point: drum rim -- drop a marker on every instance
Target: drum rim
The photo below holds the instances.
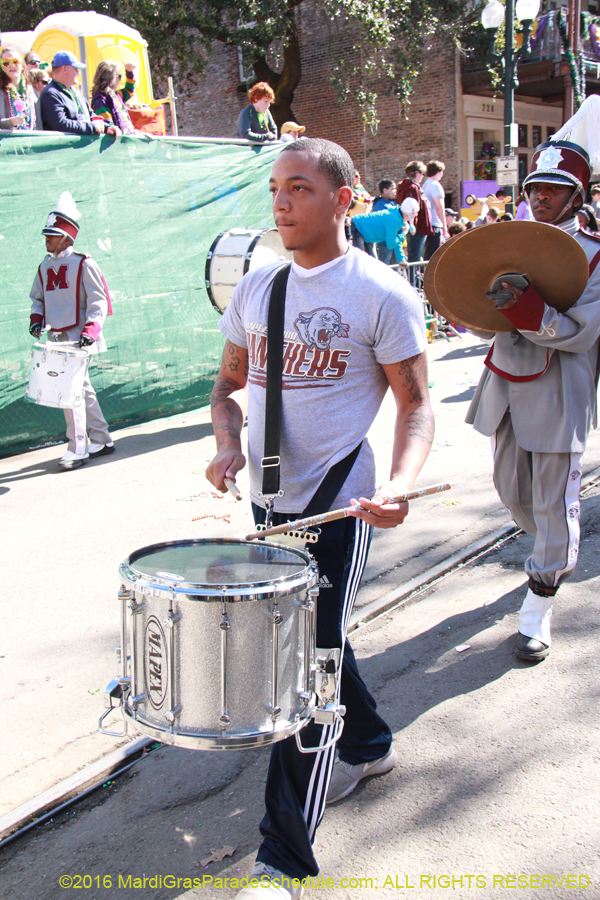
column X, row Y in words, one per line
column 69, row 348
column 199, row 741
column 249, row 591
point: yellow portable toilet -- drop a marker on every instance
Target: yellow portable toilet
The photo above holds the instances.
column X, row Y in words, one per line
column 93, row 37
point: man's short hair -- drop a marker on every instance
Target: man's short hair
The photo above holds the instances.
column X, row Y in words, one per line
column 434, row 166
column 456, row 228
column 385, row 184
column 493, row 212
column 332, row 160
column 415, row 166
column 260, row 90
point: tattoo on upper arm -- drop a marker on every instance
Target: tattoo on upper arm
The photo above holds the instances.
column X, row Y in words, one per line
column 412, row 370
column 232, row 359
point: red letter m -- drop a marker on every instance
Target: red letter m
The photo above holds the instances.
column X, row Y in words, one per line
column 57, row 279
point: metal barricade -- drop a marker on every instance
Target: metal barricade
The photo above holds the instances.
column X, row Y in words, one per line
column 437, row 326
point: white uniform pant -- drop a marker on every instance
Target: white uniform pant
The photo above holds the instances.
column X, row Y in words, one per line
column 541, row 490
column 86, row 418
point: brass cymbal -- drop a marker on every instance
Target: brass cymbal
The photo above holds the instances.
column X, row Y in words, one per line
column 553, row 261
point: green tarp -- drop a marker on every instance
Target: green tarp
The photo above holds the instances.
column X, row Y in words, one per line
column 150, row 210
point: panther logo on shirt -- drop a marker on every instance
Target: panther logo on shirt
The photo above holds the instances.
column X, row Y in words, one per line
column 317, row 328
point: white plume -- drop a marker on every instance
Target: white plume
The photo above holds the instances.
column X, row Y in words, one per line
column 584, row 129
column 66, row 206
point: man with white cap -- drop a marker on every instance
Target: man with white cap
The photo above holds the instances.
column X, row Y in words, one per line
column 63, row 107
column 537, row 395
column 70, row 297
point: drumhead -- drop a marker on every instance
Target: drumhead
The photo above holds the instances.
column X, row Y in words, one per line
column 217, row 567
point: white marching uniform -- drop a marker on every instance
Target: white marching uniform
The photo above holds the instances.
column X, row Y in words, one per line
column 537, row 399
column 70, row 296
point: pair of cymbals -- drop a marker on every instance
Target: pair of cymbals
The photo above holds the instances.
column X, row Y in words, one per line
column 461, row 271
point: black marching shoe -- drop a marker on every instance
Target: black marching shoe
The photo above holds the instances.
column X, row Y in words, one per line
column 95, row 450
column 530, row 649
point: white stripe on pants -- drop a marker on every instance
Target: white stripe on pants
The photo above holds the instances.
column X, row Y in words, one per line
column 541, row 490
column 88, row 414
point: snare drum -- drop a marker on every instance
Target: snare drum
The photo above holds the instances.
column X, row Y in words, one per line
column 221, row 642
column 57, row 374
column 236, row 252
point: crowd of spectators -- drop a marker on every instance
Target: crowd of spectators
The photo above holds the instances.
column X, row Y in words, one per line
column 36, row 96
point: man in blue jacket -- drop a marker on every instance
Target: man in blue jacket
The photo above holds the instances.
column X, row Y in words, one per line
column 63, row 107
column 383, row 227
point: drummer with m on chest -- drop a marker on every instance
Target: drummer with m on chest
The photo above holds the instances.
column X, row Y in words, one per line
column 70, row 297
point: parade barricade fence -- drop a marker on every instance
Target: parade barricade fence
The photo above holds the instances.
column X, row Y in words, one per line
column 150, row 211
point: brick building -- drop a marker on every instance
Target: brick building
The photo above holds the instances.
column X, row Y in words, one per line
column 212, row 105
column 453, row 111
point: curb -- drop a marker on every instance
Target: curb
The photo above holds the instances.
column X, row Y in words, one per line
column 89, row 778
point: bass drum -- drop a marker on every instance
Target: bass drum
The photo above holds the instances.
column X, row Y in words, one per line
column 235, row 252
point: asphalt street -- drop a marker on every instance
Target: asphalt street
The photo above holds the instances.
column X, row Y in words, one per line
column 495, row 793
column 497, row 758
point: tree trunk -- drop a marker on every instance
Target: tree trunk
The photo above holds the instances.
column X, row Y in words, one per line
column 285, row 83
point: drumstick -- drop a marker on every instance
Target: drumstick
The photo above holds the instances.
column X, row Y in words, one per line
column 332, row 515
column 232, row 488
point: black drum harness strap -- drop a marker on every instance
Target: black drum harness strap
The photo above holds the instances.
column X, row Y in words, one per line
column 271, row 461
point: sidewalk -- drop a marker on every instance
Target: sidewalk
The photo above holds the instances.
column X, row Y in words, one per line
column 496, row 787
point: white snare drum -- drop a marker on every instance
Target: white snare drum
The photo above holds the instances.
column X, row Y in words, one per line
column 221, row 642
column 236, row 252
column 57, row 374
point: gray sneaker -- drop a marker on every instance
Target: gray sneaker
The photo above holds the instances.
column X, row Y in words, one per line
column 274, row 885
column 345, row 777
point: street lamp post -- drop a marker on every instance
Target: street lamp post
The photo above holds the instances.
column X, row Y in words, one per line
column 491, row 18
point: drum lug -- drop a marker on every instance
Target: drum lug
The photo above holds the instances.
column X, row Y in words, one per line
column 172, row 619
column 39, row 396
column 134, row 702
column 172, row 714
column 274, row 707
column 224, row 625
column 135, row 607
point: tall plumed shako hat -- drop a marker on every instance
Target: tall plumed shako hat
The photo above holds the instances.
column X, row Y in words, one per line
column 572, row 155
column 62, row 221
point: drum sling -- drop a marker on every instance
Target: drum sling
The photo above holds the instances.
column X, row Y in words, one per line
column 334, row 479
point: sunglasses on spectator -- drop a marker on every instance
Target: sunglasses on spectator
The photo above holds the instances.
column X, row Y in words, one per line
column 34, row 62
column 8, row 62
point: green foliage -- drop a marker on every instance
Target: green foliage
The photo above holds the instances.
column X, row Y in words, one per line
column 383, row 40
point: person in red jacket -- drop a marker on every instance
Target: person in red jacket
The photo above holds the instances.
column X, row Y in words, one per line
column 409, row 187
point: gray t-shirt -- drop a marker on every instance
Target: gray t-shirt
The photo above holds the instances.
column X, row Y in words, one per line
column 341, row 326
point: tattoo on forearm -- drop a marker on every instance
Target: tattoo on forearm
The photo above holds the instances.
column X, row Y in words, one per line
column 226, row 420
column 421, row 424
column 412, row 370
